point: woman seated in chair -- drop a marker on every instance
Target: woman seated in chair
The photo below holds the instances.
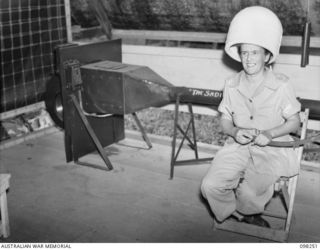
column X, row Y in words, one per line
column 258, row 106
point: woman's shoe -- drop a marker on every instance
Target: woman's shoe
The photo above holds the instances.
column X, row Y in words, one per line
column 255, row 219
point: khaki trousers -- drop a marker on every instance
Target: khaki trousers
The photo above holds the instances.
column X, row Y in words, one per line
column 235, row 182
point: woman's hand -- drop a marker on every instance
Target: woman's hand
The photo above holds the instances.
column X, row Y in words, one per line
column 243, row 136
column 263, row 139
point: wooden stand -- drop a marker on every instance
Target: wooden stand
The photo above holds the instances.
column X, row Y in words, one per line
column 4, row 223
column 192, row 142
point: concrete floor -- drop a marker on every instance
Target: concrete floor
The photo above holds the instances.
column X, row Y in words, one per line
column 52, row 201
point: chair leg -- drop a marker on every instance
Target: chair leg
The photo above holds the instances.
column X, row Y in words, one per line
column 292, row 192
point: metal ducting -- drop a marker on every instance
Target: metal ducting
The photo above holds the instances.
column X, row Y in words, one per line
column 117, row 88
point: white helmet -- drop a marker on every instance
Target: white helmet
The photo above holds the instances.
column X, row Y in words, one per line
column 255, row 25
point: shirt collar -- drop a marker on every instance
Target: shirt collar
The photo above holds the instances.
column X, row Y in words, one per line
column 270, row 81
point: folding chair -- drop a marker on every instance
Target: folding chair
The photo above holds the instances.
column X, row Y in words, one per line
column 286, row 188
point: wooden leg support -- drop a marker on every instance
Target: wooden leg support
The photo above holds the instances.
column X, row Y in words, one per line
column 192, row 142
column 94, row 138
column 253, row 230
column 4, row 223
column 143, row 132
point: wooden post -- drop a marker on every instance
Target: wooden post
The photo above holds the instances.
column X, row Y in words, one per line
column 4, row 186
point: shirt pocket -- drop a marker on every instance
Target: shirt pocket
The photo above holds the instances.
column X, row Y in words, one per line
column 268, row 116
column 241, row 119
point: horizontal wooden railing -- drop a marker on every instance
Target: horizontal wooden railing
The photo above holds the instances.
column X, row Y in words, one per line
column 209, row 37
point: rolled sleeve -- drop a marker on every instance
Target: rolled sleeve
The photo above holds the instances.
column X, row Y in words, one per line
column 225, row 105
column 290, row 104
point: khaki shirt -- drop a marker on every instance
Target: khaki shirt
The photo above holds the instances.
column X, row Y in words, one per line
column 273, row 102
